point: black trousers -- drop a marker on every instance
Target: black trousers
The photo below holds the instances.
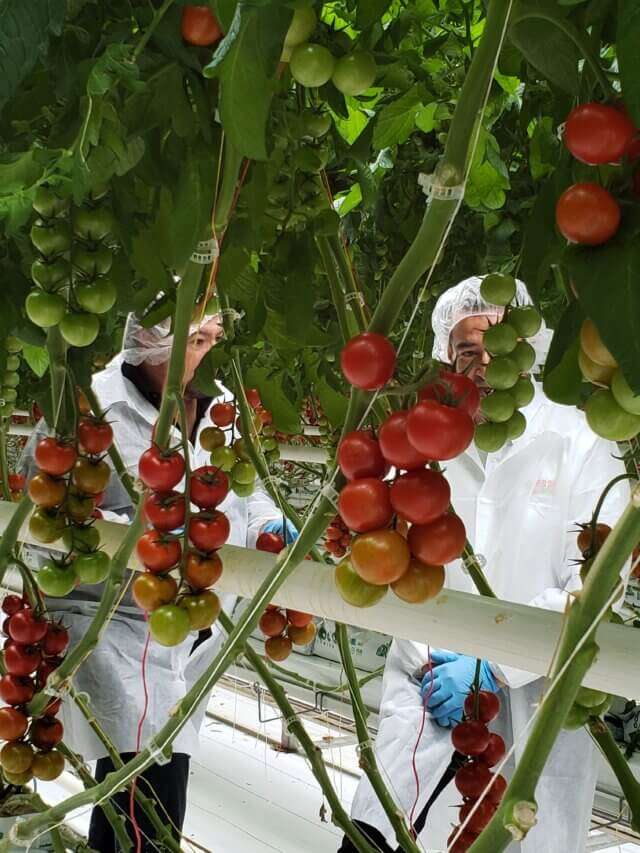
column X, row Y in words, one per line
column 166, row 783
column 373, row 835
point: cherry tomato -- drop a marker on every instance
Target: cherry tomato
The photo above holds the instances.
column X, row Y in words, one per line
column 11, row 604
column 365, row 505
column 24, row 627
column 44, row 309
column 81, row 538
column 301, row 636
column 169, row 625
column 419, row 583
column 150, row 591
column 13, row 723
column 16, row 690
column 353, row 589
column 79, row 330
column 420, row 496
column 488, row 706
column 165, row 510
column 439, row 542
column 311, row 65
column 46, row 732
column 495, row 751
column 470, row 737
column 211, row 438
column 588, row 214
column 223, row 458
column 209, row 531
column 272, row 623
column 16, row 757
column 202, row 572
column 47, row 766
column 55, row 580
column 209, row 486
column 45, row 491
column 439, row 432
column 588, row 544
column 395, row 445
column 453, row 389
column 200, row 26
column 368, row 361
column 597, row 134
column 53, row 707
column 55, row 457
column 481, row 816
column 277, row 648
column 21, row 660
column 253, row 397
column 157, row 551
column 202, row 609
column 16, row 482
column 608, row 419
column 460, row 843
column 96, row 297
column 355, row 73
column 302, row 25
column 56, row 640
column 381, row 556
column 79, row 507
column 90, row 477
column 497, row 789
column 271, row 542
column 298, row 619
column 94, row 436
column 222, row 414
column 472, row 779
column 359, row 455
column 160, row 471
column 92, row 567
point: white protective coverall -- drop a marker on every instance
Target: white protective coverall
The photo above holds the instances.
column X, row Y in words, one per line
column 112, row 675
column 520, row 512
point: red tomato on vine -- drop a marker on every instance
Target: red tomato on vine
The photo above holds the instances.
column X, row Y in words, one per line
column 439, row 432
column 597, row 134
column 453, row 389
column 200, row 26
column 587, row 214
column 368, row 361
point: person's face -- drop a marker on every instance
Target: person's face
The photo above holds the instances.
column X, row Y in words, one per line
column 466, row 348
column 198, row 346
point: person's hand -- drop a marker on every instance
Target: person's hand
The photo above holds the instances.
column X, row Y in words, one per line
column 278, row 527
column 452, row 677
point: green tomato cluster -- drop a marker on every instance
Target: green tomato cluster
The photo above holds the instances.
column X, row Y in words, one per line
column 87, row 565
column 10, row 378
column 512, row 357
column 71, row 272
column 313, row 65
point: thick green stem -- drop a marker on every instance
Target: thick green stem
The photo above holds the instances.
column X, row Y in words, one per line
column 4, row 466
column 108, row 602
column 350, row 285
column 158, row 16
column 114, row 454
column 313, row 753
column 57, row 348
column 601, row 734
column 11, row 533
column 346, row 318
column 231, row 163
column 368, row 761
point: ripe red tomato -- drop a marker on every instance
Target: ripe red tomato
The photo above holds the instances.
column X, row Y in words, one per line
column 496, row 791
column 395, row 445
column 273, row 623
column 222, row 414
column 365, row 505
column 209, row 486
column 200, row 26
column 439, row 432
column 46, row 732
column 272, row 542
column 488, row 706
column 11, row 604
column 202, row 572
column 453, row 389
column 253, row 397
column 380, row 557
column 597, row 134
column 439, row 542
column 55, row 457
column 588, row 545
column 359, row 455
column 94, row 436
column 368, row 361
column 470, row 737
column 45, row 669
column 587, row 214
column 420, row 496
column 472, row 779
column 277, row 648
column 21, row 660
column 160, row 471
column 165, row 510
column 299, row 619
column 56, row 640
column 24, row 627
column 13, row 724
column 52, row 708
column 157, row 551
column 495, row 751
column 16, row 482
column 16, row 689
column 209, row 531
column 264, row 417
column 481, row 816
column 301, row 636
column 151, row 592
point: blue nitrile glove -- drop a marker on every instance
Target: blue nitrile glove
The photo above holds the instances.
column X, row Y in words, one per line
column 452, row 682
column 278, row 527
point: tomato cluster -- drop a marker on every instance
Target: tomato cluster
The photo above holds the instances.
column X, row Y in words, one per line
column 33, row 649
column 484, row 750
column 71, row 272
column 337, row 538
column 67, row 489
column 613, row 410
column 512, row 357
column 10, row 378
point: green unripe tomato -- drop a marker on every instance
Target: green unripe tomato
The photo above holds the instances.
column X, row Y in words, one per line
column 500, row 339
column 45, row 309
column 272, row 455
column 92, row 567
column 169, row 625
column 311, row 65
column 243, row 472
column 79, row 330
column 93, row 223
column 81, row 538
column 502, row 373
column 12, row 344
column 490, row 437
column 55, row 580
column 96, row 298
column 242, row 490
column 10, row 379
column 498, row 289
column 353, row 589
column 48, row 204
column 524, row 356
column 224, row 458
column 516, row 425
column 498, row 406
column 523, row 392
column 48, row 274
column 315, row 124
column 608, row 419
column 90, row 263
column 269, row 444
column 240, row 448
column 13, row 362
column 525, row 320
column 51, row 239
column 9, row 395
column 355, row 73
column 623, row 393
column 302, row 25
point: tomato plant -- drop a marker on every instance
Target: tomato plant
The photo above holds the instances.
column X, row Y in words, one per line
column 158, row 552
column 365, row 504
column 160, row 471
column 165, row 510
column 209, row 531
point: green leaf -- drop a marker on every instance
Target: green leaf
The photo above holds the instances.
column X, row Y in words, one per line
column 562, row 381
column 370, row 12
column 350, row 201
column 628, row 46
column 543, row 148
column 20, row 171
column 334, row 404
column 37, row 358
column 113, row 67
column 286, row 414
column 25, row 28
column 606, row 281
column 547, row 47
column 426, row 118
column 223, row 48
column 488, row 177
column 397, row 120
column 204, row 379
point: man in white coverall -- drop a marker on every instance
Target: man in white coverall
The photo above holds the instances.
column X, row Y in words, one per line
column 520, row 507
column 130, row 389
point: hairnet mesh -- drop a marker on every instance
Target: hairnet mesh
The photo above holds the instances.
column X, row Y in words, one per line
column 465, row 300
column 151, row 345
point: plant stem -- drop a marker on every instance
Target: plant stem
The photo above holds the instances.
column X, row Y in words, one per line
column 601, row 734
column 313, row 753
column 368, row 761
column 114, row 454
column 187, row 481
column 4, row 466
column 108, row 602
column 12, row 531
column 322, row 688
column 232, row 161
column 346, row 319
column 157, row 17
column 345, row 272
column 57, row 349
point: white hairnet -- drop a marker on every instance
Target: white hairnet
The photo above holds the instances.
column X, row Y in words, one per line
column 152, row 345
column 465, row 300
